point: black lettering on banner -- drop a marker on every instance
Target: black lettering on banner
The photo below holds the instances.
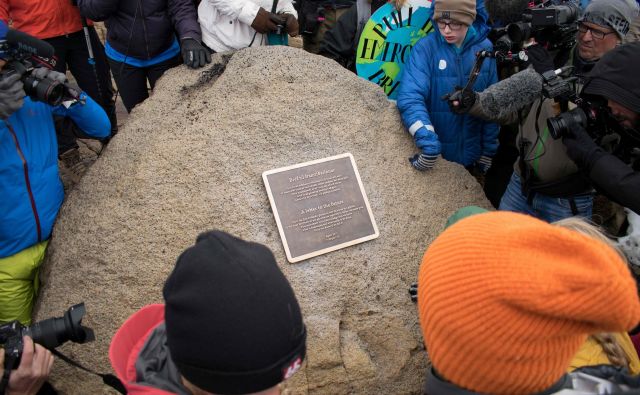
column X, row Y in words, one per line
column 366, row 47
column 377, row 29
column 410, row 15
column 377, row 73
column 385, row 82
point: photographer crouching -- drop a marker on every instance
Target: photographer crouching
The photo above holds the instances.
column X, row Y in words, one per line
column 615, row 79
column 30, row 185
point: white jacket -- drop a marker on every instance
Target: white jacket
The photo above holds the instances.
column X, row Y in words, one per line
column 226, row 24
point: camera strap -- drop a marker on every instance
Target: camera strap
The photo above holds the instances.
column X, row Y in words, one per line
column 5, row 375
column 107, row 378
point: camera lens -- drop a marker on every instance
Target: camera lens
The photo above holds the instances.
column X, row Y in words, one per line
column 52, row 332
column 45, row 90
column 560, row 125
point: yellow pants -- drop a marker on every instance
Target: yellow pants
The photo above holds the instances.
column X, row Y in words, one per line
column 19, row 283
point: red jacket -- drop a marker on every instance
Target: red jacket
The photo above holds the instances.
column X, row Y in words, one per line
column 127, row 343
column 42, row 18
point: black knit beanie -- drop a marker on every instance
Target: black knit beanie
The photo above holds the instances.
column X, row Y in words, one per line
column 233, row 323
column 614, row 76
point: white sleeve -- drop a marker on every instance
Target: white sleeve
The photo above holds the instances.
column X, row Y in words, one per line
column 243, row 10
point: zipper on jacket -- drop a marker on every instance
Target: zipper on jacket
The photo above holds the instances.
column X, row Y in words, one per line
column 26, row 179
column 144, row 29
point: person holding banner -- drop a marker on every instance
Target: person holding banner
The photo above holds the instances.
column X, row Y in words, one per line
column 438, row 63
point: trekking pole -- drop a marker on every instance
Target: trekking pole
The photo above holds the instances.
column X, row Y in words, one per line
column 92, row 59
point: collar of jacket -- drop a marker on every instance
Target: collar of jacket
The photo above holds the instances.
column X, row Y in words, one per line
column 434, row 385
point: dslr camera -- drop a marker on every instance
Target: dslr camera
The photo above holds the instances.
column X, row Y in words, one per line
column 23, row 53
column 49, row 333
column 553, row 24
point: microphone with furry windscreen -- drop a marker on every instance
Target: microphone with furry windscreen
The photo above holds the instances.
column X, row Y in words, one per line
column 501, row 99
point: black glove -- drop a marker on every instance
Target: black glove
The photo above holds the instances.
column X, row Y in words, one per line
column 291, row 23
column 461, row 100
column 540, row 58
column 581, row 148
column 194, row 54
column 266, row 21
column 11, row 95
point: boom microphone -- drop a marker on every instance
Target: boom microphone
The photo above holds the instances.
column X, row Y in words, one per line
column 506, row 11
column 511, row 94
column 29, row 44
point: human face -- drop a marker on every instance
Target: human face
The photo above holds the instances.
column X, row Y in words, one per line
column 591, row 48
column 453, row 32
column 626, row 117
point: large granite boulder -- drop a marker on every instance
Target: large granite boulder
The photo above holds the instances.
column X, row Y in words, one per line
column 190, row 159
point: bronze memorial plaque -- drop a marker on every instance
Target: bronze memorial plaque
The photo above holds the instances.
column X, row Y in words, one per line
column 320, row 206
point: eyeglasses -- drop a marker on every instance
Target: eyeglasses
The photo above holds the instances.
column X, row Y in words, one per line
column 454, row 26
column 597, row 34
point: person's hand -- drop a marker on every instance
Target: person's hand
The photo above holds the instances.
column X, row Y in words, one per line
column 194, row 54
column 539, row 58
column 35, row 367
column 460, row 100
column 266, row 21
column 43, row 72
column 484, row 163
column 291, row 23
column 581, row 148
column 430, row 146
column 11, row 95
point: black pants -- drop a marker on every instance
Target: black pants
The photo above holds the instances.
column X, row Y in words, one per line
column 72, row 53
column 132, row 81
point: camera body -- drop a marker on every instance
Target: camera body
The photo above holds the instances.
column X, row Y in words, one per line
column 22, row 60
column 553, row 25
column 49, row 333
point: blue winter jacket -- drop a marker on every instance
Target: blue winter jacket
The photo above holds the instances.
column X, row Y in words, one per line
column 434, row 69
column 30, row 187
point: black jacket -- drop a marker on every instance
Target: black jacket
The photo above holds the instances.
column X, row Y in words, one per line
column 340, row 42
column 143, row 29
column 618, row 181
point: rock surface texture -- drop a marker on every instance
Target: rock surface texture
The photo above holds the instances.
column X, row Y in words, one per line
column 190, row 159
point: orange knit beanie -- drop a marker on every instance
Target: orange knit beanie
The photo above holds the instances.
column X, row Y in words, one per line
column 505, row 301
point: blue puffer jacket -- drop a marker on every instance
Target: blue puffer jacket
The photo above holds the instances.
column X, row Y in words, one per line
column 434, row 69
column 153, row 23
column 30, row 186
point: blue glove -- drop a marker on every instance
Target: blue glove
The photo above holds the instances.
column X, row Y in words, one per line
column 484, row 163
column 429, row 144
column 427, row 141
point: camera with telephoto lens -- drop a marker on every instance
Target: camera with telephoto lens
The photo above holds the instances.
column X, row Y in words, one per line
column 22, row 60
column 49, row 333
column 552, row 24
column 593, row 115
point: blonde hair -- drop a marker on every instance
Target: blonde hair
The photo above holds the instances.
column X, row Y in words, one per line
column 610, row 345
column 398, row 3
